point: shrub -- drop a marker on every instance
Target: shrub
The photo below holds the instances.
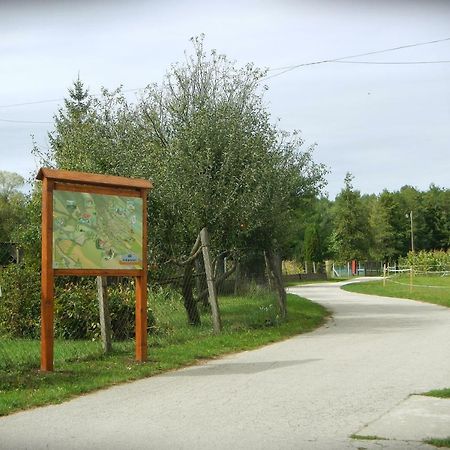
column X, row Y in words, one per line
column 20, row 301
column 76, row 310
column 427, row 261
column 76, row 306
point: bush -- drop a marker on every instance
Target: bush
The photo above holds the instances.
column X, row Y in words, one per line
column 76, row 306
column 20, row 302
column 427, row 261
column 76, row 310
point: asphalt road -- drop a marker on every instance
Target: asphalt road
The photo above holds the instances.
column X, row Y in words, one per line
column 309, row 392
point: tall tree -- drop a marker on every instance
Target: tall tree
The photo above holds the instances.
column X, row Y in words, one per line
column 383, row 242
column 205, row 137
column 351, row 240
column 436, row 216
column 312, row 247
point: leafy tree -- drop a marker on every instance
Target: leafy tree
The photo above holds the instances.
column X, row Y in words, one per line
column 10, row 182
column 12, row 202
column 312, row 247
column 382, row 233
column 205, row 138
column 350, row 237
column 436, row 216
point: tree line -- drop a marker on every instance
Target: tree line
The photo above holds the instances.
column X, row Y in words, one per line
column 373, row 227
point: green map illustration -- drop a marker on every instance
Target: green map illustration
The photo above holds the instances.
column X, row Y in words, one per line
column 96, row 231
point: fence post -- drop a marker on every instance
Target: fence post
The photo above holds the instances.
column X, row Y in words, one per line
column 210, row 281
column 105, row 318
column 411, row 279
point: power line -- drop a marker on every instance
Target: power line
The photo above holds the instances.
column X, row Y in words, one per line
column 286, row 69
column 13, row 105
column 23, row 121
column 392, row 62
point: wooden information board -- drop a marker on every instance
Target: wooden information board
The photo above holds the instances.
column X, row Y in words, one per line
column 92, row 225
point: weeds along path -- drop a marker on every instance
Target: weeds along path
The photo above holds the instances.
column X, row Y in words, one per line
column 309, row 392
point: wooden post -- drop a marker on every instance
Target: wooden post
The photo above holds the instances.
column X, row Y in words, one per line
column 47, row 278
column 141, row 291
column 411, row 279
column 210, row 281
column 105, row 318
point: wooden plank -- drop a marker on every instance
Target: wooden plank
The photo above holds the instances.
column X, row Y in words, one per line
column 92, row 189
column 141, row 318
column 141, row 292
column 210, row 281
column 47, row 278
column 98, row 272
column 105, row 318
column 92, row 178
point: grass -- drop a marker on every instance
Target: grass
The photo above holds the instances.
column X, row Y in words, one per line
column 248, row 322
column 438, row 442
column 399, row 287
column 440, row 393
column 367, row 438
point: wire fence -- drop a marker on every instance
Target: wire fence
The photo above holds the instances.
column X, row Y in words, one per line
column 417, row 277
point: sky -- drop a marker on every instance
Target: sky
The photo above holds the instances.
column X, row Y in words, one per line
column 387, row 124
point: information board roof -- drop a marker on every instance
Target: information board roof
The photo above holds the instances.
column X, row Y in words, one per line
column 93, row 179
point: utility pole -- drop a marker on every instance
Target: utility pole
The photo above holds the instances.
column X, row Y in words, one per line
column 410, row 215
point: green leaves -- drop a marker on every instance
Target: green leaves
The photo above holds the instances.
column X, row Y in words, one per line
column 204, row 136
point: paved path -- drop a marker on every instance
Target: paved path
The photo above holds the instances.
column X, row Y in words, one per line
column 309, row 392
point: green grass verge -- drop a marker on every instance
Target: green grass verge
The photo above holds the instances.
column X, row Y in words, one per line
column 399, row 287
column 248, row 322
column 440, row 393
column 438, row 442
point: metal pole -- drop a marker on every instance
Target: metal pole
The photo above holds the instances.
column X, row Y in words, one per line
column 412, row 232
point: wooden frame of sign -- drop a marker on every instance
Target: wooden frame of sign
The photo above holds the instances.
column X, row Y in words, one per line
column 100, row 186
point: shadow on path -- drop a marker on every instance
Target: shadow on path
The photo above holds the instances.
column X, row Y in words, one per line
column 237, row 368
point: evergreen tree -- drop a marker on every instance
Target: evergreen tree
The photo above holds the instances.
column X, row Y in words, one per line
column 312, row 247
column 350, row 236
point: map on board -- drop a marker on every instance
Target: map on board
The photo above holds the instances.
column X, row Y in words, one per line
column 96, row 231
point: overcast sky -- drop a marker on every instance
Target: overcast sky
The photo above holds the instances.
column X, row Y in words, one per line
column 387, row 124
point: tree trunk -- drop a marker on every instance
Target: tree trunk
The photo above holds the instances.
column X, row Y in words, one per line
column 105, row 318
column 269, row 274
column 188, row 298
column 200, row 282
column 237, row 278
column 275, row 267
column 210, row 281
column 220, row 266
